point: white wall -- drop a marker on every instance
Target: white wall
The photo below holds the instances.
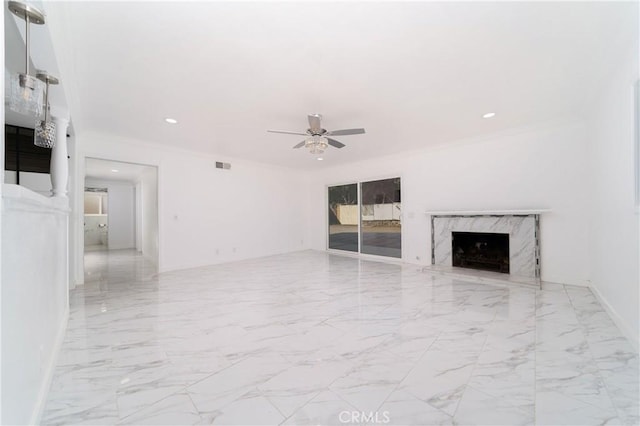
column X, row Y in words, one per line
column 544, row 167
column 121, row 212
column 76, row 221
column 37, row 182
column 34, row 299
column 149, row 215
column 94, row 233
column 614, row 252
column 208, row 215
column 138, row 194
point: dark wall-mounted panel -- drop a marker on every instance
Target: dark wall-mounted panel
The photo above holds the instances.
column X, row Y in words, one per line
column 20, row 154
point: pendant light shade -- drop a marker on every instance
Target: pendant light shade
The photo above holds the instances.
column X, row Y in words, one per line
column 26, row 90
column 26, row 94
column 45, row 134
column 45, row 131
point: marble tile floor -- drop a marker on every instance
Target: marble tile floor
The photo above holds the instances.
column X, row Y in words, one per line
column 314, row 338
column 102, row 267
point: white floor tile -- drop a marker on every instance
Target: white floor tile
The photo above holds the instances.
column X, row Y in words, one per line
column 308, row 337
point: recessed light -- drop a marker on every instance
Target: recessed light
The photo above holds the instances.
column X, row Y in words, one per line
column 489, row 115
column 114, row 170
column 171, row 120
column 320, row 158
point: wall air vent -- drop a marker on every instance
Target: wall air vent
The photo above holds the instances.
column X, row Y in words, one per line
column 225, row 166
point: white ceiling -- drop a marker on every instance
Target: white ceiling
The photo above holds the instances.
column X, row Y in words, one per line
column 413, row 74
column 104, row 170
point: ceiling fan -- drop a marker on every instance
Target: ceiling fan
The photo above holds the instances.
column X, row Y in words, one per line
column 317, row 138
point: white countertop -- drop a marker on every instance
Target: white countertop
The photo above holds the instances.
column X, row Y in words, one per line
column 19, row 198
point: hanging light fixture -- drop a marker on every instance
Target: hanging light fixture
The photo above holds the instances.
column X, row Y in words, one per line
column 316, row 144
column 45, row 131
column 26, row 90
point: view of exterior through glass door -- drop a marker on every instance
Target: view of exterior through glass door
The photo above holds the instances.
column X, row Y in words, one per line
column 343, row 217
column 366, row 217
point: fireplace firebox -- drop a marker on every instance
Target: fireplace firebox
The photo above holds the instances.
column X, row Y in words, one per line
column 481, row 250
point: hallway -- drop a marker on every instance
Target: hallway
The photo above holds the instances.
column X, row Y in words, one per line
column 103, row 268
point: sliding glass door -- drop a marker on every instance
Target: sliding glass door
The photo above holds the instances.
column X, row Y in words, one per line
column 370, row 226
column 343, row 217
column 380, row 227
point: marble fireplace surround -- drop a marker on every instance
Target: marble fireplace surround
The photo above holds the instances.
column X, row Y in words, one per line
column 523, row 227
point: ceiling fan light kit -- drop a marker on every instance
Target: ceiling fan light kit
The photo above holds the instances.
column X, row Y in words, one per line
column 26, row 90
column 317, row 141
column 316, row 144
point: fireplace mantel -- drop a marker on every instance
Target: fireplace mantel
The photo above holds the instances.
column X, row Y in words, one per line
column 487, row 212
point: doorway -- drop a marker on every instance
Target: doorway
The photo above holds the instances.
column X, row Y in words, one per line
column 365, row 217
column 96, row 219
column 120, row 217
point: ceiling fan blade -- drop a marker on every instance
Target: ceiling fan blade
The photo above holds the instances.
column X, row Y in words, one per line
column 314, row 123
column 335, row 143
column 300, row 145
column 345, row 132
column 287, row 132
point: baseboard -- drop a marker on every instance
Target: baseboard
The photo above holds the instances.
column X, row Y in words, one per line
column 222, row 261
column 626, row 330
column 48, row 377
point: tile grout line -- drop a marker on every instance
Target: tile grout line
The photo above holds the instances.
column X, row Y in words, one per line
column 395, row 389
column 599, row 372
column 535, row 354
column 466, row 386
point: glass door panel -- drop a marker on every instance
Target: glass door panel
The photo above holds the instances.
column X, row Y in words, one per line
column 380, row 224
column 343, row 217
